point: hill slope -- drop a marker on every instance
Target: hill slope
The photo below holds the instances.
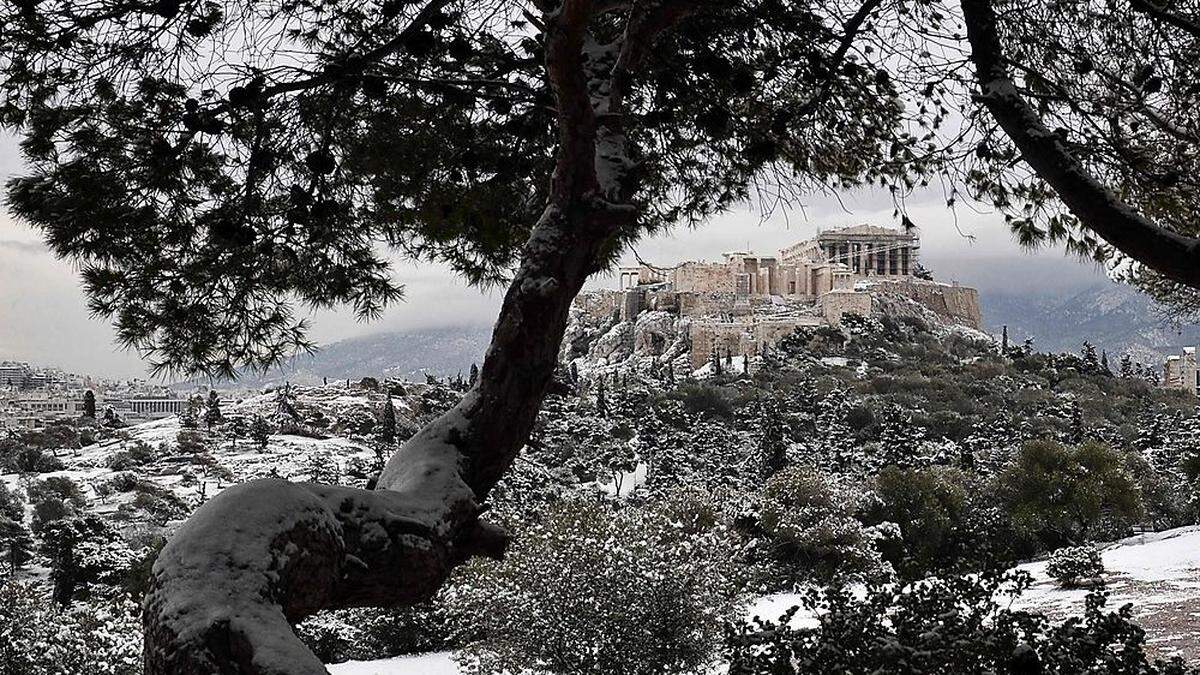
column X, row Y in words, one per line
column 442, row 352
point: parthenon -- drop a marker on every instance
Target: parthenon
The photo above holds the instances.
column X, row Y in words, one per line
column 834, row 259
column 747, row 302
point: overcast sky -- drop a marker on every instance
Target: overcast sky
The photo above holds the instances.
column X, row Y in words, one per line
column 44, row 319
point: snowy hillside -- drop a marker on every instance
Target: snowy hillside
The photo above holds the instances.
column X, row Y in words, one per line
column 443, row 352
column 1114, row 317
column 153, row 474
column 1159, row 573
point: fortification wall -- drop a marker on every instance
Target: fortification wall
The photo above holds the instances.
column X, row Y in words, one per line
column 741, row 338
column 600, row 305
column 705, row 278
column 957, row 303
column 836, row 304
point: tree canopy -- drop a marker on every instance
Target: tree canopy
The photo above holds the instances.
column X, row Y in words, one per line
column 214, row 165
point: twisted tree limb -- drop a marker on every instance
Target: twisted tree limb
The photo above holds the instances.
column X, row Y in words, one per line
column 1166, row 251
column 261, row 556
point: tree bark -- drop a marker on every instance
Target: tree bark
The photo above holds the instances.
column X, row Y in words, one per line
column 1097, row 208
column 262, row 555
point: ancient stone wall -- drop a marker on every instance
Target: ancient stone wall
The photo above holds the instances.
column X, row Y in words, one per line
column 600, row 305
column 705, row 277
column 741, row 337
column 836, row 304
column 957, row 303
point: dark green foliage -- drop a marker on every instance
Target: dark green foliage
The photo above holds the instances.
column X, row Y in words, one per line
column 53, row 499
column 704, row 399
column 387, row 423
column 260, row 431
column 1065, row 495
column 89, row 404
column 212, row 410
column 931, row 508
column 60, row 542
column 15, row 543
column 945, row 626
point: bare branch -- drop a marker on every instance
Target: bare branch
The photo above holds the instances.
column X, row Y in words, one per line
column 1162, row 14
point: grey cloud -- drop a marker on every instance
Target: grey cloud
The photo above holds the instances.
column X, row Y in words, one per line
column 32, row 247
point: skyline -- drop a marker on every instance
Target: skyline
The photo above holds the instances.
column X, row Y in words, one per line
column 44, row 318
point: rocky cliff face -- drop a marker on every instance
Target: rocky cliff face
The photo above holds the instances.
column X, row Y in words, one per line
column 599, row 340
column 954, row 304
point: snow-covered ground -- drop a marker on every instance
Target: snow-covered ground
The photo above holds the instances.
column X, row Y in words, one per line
column 1158, row 572
column 439, row 663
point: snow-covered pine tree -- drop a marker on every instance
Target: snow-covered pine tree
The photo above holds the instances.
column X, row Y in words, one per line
column 1125, row 370
column 1091, row 362
column 189, row 417
column 212, row 410
column 1077, row 432
column 89, row 404
column 260, row 431
column 601, row 404
column 900, row 438
column 772, row 446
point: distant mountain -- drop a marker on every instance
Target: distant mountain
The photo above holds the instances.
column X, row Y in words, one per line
column 1112, row 316
column 406, row 354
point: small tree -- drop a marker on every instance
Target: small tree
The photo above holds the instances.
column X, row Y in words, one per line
column 387, row 422
column 1126, row 368
column 1062, row 495
column 601, row 404
column 89, row 404
column 189, row 417
column 772, row 447
column 212, row 410
column 1091, row 362
column 260, row 431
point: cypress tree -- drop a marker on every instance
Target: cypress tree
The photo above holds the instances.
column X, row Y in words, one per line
column 89, row 404
column 387, row 422
column 601, row 404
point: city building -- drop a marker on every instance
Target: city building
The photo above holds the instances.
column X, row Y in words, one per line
column 1179, row 371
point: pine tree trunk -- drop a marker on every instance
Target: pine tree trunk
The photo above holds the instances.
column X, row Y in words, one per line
column 263, row 555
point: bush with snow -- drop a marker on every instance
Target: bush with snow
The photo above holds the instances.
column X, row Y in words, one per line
column 600, row 590
column 1074, row 566
column 39, row 638
column 955, row 624
column 811, row 530
column 371, row 633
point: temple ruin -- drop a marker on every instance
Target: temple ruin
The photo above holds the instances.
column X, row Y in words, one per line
column 746, row 302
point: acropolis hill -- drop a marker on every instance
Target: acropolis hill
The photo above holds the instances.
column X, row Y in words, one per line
column 747, row 302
